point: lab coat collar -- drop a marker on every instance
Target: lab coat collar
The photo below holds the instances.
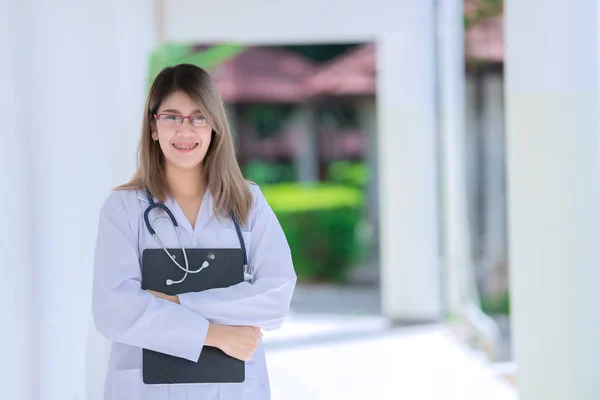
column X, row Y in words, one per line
column 204, row 215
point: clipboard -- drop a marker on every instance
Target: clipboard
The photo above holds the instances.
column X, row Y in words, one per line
column 226, row 268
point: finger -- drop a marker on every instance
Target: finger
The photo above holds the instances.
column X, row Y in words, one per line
column 156, row 294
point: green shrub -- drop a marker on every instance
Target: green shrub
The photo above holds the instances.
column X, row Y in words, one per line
column 262, row 172
column 320, row 222
column 348, row 172
column 497, row 304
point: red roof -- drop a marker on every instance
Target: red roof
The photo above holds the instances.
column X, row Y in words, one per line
column 485, row 40
column 270, row 74
column 264, row 74
column 352, row 73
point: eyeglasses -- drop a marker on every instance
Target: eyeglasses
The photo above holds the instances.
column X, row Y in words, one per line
column 177, row 120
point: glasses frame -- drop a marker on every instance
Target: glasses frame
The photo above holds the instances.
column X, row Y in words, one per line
column 183, row 118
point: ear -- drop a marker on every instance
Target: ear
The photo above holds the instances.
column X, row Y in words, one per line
column 154, row 136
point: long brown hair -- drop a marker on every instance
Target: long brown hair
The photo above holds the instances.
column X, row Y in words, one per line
column 222, row 173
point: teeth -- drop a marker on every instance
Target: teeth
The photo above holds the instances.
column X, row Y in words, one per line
column 185, row 146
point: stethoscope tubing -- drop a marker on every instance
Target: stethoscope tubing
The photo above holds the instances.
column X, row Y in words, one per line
column 247, row 272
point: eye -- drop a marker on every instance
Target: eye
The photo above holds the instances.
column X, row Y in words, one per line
column 198, row 120
column 171, row 117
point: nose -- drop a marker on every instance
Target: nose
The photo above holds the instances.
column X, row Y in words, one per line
column 186, row 126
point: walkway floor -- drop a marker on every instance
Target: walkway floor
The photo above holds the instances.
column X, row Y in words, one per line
column 334, row 345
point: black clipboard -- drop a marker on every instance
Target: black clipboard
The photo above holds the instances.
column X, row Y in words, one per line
column 226, row 268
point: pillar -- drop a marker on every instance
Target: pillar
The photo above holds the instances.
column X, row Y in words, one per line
column 408, row 193
column 18, row 285
column 87, row 78
column 553, row 145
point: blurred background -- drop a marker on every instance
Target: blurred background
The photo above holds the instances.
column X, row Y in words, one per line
column 438, row 209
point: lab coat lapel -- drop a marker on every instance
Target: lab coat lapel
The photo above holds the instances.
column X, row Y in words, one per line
column 206, row 210
column 177, row 211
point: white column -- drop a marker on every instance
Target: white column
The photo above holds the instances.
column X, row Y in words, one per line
column 370, row 271
column 457, row 241
column 18, row 372
column 472, row 126
column 410, row 261
column 494, row 240
column 88, row 82
column 303, row 125
column 367, row 115
column 554, row 196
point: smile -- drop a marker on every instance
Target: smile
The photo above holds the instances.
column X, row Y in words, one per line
column 185, row 146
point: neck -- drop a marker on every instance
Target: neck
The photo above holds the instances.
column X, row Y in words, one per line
column 184, row 183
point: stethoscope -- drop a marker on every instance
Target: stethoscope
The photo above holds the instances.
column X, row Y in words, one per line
column 247, row 270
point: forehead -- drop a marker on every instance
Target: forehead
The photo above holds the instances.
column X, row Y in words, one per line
column 179, row 101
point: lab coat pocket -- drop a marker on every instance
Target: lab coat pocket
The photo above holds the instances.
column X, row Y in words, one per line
column 125, row 384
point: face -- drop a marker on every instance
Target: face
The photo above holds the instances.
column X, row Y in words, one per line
column 184, row 142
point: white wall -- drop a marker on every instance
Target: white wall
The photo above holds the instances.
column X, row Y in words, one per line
column 287, row 21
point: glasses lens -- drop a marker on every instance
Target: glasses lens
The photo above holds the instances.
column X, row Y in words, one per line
column 169, row 120
column 198, row 121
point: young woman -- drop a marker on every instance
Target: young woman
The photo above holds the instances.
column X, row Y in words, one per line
column 186, row 162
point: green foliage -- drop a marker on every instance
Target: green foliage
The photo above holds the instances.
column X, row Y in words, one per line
column 348, row 172
column 321, row 52
column 262, row 172
column 320, row 223
column 169, row 54
column 483, row 9
column 311, row 196
column 498, row 304
column 267, row 119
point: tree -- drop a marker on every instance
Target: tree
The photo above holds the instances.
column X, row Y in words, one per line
column 478, row 10
column 169, row 54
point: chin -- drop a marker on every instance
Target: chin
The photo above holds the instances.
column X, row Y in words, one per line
column 185, row 162
column 186, row 165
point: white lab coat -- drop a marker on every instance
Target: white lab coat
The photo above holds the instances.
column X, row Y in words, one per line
column 134, row 319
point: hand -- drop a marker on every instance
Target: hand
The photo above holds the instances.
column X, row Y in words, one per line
column 236, row 341
column 173, row 299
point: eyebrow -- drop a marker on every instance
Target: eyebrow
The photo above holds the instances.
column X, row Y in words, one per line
column 173, row 111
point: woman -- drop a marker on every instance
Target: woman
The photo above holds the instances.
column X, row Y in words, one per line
column 186, row 161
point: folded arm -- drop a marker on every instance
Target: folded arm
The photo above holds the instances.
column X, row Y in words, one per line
column 125, row 313
column 265, row 302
